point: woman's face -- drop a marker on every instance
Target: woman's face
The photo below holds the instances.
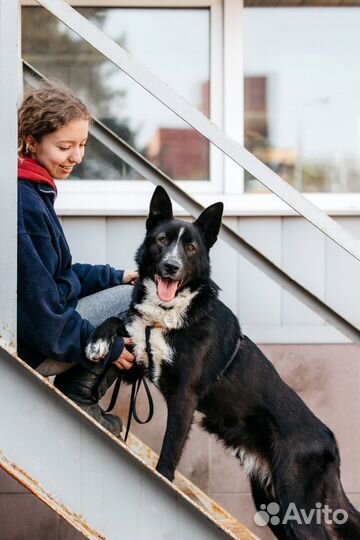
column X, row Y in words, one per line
column 60, row 151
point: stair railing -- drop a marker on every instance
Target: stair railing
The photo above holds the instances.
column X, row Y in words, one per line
column 146, row 169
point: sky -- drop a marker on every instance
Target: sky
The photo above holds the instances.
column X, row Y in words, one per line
column 311, row 57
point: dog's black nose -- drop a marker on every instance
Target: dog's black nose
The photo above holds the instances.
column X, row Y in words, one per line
column 171, row 267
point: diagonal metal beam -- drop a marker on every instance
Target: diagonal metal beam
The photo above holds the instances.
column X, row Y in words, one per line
column 121, row 149
column 93, row 480
column 146, row 169
column 161, row 91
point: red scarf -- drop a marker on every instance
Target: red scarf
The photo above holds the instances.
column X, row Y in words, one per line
column 29, row 169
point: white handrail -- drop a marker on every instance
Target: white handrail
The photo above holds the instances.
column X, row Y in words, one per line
column 147, row 170
column 203, row 125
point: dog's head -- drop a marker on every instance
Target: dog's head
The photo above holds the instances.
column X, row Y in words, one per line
column 175, row 253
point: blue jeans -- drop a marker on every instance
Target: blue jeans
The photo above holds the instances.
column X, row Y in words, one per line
column 96, row 308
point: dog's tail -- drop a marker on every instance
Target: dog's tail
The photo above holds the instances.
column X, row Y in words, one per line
column 345, row 519
column 323, row 498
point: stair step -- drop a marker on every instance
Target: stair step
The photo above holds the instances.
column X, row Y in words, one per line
column 104, row 488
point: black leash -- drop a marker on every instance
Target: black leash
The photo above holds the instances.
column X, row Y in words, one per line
column 135, row 390
column 137, row 384
column 135, row 387
column 132, row 410
column 115, row 394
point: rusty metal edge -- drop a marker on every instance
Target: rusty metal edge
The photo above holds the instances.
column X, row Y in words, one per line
column 198, row 497
column 144, row 456
column 32, row 485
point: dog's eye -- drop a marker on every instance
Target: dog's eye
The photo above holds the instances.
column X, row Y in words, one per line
column 163, row 240
column 190, row 248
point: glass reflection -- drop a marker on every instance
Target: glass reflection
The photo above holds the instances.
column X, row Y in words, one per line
column 155, row 37
column 302, row 99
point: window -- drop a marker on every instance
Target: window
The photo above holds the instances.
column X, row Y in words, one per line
column 302, row 95
column 173, row 43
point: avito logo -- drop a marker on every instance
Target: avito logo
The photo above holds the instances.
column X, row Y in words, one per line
column 320, row 514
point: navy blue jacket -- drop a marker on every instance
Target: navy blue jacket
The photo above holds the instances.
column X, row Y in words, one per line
column 49, row 285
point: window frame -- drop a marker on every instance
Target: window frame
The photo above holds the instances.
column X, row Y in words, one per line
column 336, row 204
column 98, row 197
column 216, row 181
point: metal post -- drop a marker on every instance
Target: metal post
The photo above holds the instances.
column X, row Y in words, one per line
column 9, row 62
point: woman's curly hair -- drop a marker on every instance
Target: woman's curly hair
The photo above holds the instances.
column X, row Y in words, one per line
column 44, row 111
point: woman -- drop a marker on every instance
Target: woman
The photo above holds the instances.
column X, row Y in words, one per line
column 59, row 303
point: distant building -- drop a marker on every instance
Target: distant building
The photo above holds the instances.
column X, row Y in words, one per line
column 183, row 154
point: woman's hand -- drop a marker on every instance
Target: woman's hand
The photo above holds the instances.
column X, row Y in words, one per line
column 130, row 277
column 126, row 359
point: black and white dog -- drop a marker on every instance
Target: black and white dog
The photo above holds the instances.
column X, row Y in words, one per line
column 191, row 347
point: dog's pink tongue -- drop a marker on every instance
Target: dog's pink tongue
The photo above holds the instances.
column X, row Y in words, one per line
column 166, row 289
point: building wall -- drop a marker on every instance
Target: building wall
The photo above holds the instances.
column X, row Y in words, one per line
column 266, row 312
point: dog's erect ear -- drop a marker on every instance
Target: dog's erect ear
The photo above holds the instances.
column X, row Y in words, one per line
column 160, row 208
column 209, row 223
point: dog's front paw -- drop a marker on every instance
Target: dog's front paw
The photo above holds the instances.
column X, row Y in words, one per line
column 102, row 338
column 168, row 472
column 97, row 349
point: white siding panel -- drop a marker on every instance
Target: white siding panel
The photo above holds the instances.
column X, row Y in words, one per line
column 124, row 236
column 259, row 297
column 343, row 275
column 294, row 334
column 87, row 238
column 303, row 259
column 224, row 263
column 265, row 311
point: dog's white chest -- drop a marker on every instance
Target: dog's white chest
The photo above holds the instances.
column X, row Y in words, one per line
column 161, row 318
column 160, row 350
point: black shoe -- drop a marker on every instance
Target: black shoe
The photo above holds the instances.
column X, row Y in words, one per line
column 115, row 423
column 109, row 421
column 86, row 387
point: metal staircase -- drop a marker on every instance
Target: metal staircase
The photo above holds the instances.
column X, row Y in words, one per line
column 105, row 489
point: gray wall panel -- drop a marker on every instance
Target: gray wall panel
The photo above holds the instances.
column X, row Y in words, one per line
column 272, row 314
column 87, row 238
column 224, row 262
column 303, row 256
column 259, row 296
column 124, row 236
